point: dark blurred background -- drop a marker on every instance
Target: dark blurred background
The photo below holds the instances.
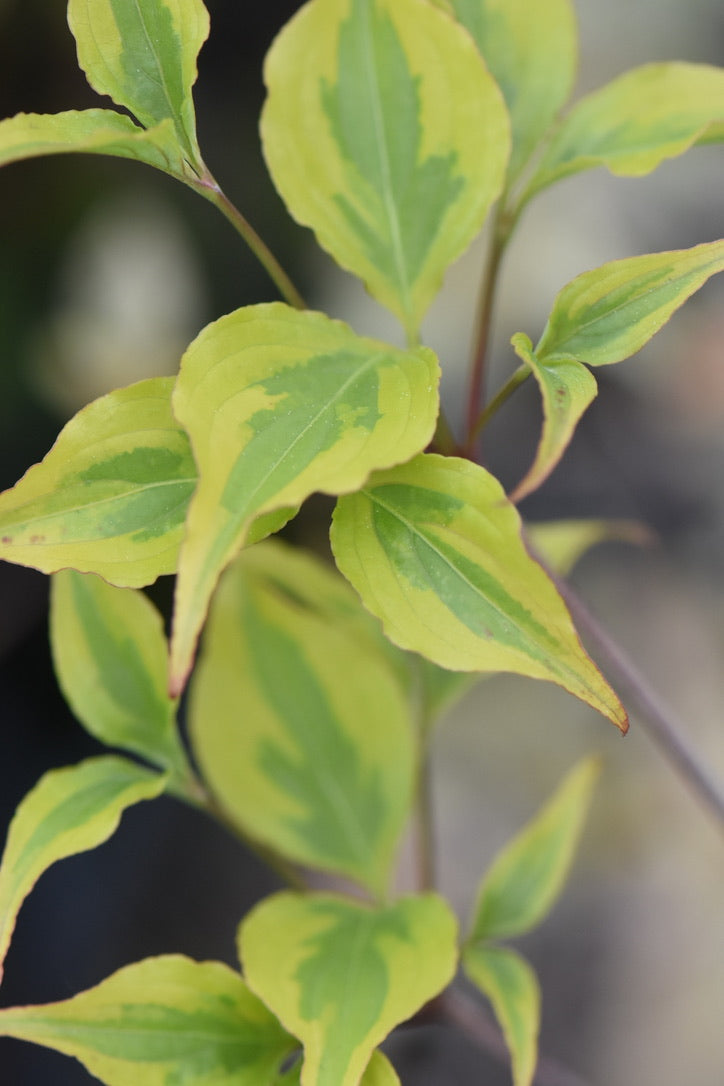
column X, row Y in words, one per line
column 107, row 270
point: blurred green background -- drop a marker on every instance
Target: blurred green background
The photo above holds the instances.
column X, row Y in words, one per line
column 107, row 271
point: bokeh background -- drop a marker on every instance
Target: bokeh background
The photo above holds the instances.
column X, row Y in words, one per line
column 107, row 271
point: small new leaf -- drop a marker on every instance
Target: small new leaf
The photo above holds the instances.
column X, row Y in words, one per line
column 278, row 404
column 609, row 313
column 68, row 811
column 567, row 388
column 528, row 874
column 341, row 975
column 434, row 549
column 111, row 495
column 385, row 133
column 143, row 55
column 161, row 1021
column 512, row 988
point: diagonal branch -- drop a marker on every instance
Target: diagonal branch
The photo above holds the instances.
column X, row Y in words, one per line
column 653, row 713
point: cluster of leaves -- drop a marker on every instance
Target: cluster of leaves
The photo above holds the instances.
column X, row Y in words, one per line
column 389, row 135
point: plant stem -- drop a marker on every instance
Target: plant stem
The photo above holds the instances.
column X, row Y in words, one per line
column 207, row 187
column 516, row 379
column 424, row 827
column 654, row 715
column 444, row 439
column 500, row 234
column 470, row 1018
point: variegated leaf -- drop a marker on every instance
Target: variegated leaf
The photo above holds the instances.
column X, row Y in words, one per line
column 300, row 726
column 567, row 388
column 68, row 811
column 609, row 313
column 341, row 975
column 162, row 1021
column 512, row 987
column 385, row 133
column 111, row 660
column 530, row 47
column 527, row 875
column 434, row 549
column 632, row 124
column 278, row 404
column 143, row 54
column 111, row 495
column 94, row 131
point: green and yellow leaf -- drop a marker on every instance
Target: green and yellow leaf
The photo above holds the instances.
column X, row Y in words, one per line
column 94, row 131
column 434, row 549
column 278, row 404
column 530, row 47
column 609, row 313
column 111, row 495
column 143, row 55
column 68, row 811
column 527, row 876
column 512, row 988
column 567, row 388
column 632, row 124
column 563, row 542
column 341, row 975
column 385, row 133
column 111, row 660
column 302, row 730
column 161, row 1021
column 379, row 1072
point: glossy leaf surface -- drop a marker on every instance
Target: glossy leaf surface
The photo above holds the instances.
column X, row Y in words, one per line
column 162, row 1021
column 530, row 47
column 527, row 875
column 111, row 660
column 301, row 729
column 385, row 133
column 279, row 404
column 111, row 495
column 143, row 55
column 512, row 988
column 68, row 811
column 341, row 975
column 434, row 549
column 609, row 313
column 567, row 388
column 96, row 131
column 632, row 124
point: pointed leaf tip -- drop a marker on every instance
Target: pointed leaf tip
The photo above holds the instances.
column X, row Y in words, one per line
column 607, row 314
column 526, row 877
column 434, row 549
column 567, row 388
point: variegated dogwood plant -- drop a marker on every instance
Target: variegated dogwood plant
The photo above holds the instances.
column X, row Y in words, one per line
column 395, row 130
